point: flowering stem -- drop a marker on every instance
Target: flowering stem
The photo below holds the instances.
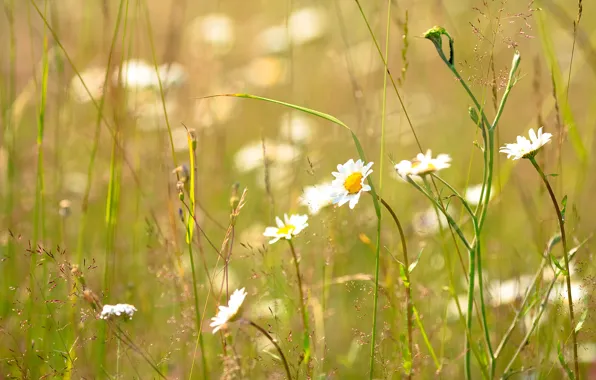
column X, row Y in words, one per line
column 281, row 354
column 406, row 275
column 306, row 341
column 565, row 257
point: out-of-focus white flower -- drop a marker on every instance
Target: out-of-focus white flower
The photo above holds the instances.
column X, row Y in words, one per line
column 452, row 309
column 230, row 313
column 472, row 194
column 290, row 226
column 273, row 40
column 360, row 59
column 136, row 73
column 93, row 78
column 349, row 182
column 277, row 176
column 217, row 30
column 429, row 222
column 525, row 148
column 317, row 197
column 267, row 71
column 269, row 308
column 508, row 291
column 212, row 111
column 423, row 164
column 250, row 156
column 118, row 310
column 172, row 74
column 180, row 139
column 306, row 25
column 296, row 127
column 559, row 293
column 252, row 237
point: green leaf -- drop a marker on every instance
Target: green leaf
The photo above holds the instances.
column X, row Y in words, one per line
column 415, row 263
column 552, row 242
column 406, row 354
column 563, row 362
column 582, row 319
column 552, row 175
column 403, row 276
column 558, row 264
column 564, row 208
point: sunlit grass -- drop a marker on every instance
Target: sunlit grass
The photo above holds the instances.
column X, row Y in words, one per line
column 146, row 146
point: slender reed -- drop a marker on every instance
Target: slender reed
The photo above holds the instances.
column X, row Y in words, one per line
column 303, row 310
column 281, row 354
column 561, row 220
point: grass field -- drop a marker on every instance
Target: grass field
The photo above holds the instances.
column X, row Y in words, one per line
column 164, row 162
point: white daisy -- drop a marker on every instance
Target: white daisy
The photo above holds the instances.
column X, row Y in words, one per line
column 423, row 164
column 349, row 182
column 230, row 313
column 525, row 148
column 472, row 194
column 290, row 226
column 118, row 310
column 317, row 197
column 136, row 73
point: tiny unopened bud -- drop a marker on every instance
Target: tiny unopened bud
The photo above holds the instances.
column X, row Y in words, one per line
column 365, row 239
column 234, row 198
column 474, row 115
column 64, row 208
column 182, row 172
column 90, row 297
column 192, row 135
column 180, row 189
column 76, row 271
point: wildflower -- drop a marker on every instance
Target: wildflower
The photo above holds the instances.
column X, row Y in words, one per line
column 64, row 208
column 525, row 148
column 296, row 128
column 317, row 197
column 306, row 25
column 472, row 194
column 217, row 30
column 349, row 182
column 428, row 222
column 423, row 164
column 118, row 310
column 230, row 313
column 290, row 226
column 93, row 78
column 137, row 74
column 250, row 157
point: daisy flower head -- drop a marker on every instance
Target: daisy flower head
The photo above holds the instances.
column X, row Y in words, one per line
column 119, row 310
column 317, row 197
column 525, row 148
column 349, row 182
column 230, row 313
column 423, row 164
column 290, row 226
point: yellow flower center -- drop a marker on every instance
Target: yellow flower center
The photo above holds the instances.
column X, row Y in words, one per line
column 353, row 183
column 287, row 229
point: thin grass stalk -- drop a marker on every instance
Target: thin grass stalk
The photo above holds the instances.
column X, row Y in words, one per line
column 303, row 311
column 281, row 354
column 561, row 220
column 192, row 145
column 543, row 304
column 9, row 140
column 38, row 212
column 407, row 282
column 95, row 147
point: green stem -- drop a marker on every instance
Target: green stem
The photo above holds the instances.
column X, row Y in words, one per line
column 566, row 258
column 536, row 320
column 281, row 354
column 407, row 284
column 303, row 311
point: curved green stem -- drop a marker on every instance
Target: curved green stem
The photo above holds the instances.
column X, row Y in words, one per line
column 281, row 354
column 566, row 259
column 407, row 284
column 303, row 311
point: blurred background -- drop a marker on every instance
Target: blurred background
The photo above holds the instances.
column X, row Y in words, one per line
column 88, row 177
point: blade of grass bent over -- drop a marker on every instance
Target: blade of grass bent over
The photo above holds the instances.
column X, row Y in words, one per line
column 362, row 157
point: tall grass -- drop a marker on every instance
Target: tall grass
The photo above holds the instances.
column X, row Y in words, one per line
column 151, row 226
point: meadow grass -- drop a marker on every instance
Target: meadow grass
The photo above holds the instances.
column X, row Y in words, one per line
column 157, row 223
